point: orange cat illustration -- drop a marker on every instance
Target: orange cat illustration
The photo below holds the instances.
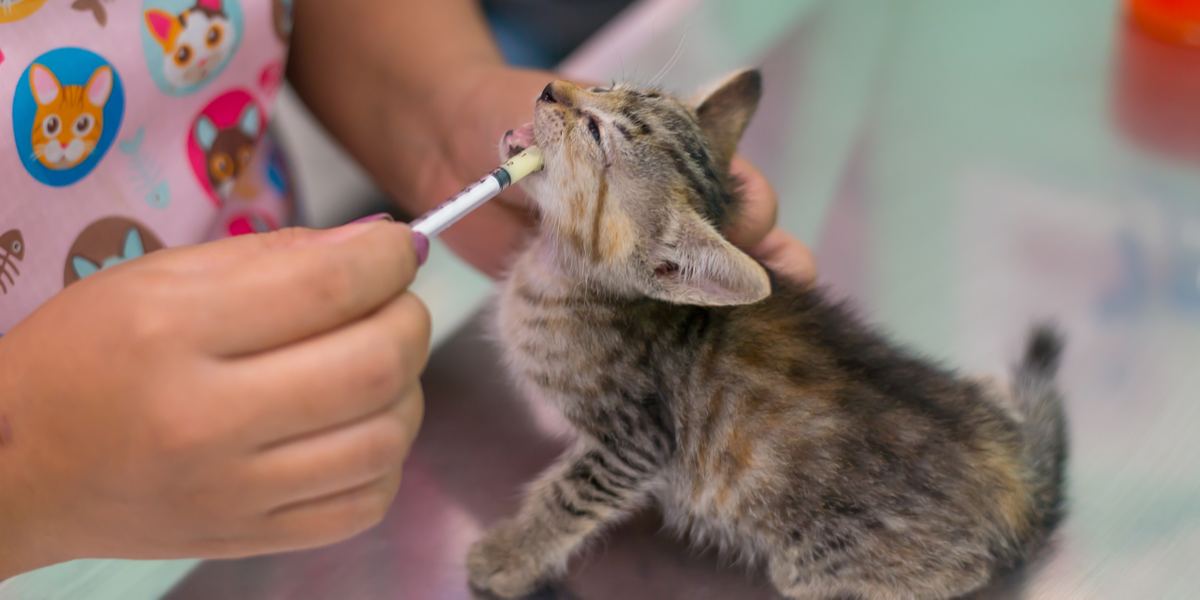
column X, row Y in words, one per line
column 70, row 118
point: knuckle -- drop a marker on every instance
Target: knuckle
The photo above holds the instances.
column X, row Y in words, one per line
column 366, row 510
column 283, row 238
column 416, row 328
column 333, row 286
column 381, row 452
column 382, row 371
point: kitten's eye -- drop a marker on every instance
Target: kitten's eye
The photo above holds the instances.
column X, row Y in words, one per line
column 84, row 124
column 594, row 129
column 16, row 247
column 214, row 35
column 51, row 125
column 222, row 165
column 183, row 55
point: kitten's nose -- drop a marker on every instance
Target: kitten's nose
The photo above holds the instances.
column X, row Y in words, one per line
column 556, row 92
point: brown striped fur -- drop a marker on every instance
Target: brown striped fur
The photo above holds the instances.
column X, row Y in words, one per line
column 760, row 416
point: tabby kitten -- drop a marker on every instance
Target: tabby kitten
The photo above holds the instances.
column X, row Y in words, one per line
column 760, row 416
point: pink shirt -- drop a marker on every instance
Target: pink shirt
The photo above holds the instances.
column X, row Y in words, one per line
column 127, row 127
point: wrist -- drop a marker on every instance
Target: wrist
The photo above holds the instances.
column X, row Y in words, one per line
column 22, row 547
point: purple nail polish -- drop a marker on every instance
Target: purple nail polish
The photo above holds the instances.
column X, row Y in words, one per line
column 421, row 246
column 375, row 217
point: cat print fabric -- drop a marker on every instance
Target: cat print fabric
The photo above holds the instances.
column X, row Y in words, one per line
column 187, row 42
column 128, row 127
column 222, row 142
column 67, row 107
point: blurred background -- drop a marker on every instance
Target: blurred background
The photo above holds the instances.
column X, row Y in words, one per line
column 962, row 168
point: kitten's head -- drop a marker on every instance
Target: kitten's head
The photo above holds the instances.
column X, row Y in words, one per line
column 636, row 184
column 69, row 118
column 195, row 43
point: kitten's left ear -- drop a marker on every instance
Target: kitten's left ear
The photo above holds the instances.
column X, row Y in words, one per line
column 693, row 264
column 725, row 112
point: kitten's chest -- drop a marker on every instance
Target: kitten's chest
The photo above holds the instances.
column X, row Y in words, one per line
column 567, row 347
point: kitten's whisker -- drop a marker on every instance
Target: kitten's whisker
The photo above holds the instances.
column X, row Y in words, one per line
column 674, row 59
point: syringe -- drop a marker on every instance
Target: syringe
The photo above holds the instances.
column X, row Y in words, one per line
column 473, row 196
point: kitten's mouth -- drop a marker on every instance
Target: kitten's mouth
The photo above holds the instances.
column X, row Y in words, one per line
column 517, row 140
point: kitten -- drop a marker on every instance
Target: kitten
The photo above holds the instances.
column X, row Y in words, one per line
column 195, row 43
column 228, row 151
column 762, row 417
column 69, row 118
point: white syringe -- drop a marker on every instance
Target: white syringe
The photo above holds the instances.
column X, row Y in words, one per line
column 473, row 196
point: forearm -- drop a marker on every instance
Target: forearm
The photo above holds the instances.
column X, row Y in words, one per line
column 387, row 77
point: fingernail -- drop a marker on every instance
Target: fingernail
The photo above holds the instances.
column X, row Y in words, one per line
column 421, row 245
column 372, row 218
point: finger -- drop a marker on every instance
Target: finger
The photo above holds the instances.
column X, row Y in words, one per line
column 280, row 295
column 330, row 380
column 221, row 253
column 338, row 459
column 331, row 518
column 759, row 208
column 786, row 256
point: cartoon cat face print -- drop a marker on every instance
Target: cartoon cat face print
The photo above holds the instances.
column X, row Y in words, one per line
column 131, row 249
column 195, row 43
column 70, row 118
column 106, row 244
column 228, row 151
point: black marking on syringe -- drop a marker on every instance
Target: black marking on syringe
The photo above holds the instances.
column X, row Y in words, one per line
column 503, row 177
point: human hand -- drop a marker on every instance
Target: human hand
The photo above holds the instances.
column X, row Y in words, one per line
column 250, row 395
column 491, row 99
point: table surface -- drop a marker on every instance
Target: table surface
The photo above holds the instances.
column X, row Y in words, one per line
column 962, row 169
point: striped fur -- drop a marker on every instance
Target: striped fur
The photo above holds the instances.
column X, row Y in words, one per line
column 777, row 427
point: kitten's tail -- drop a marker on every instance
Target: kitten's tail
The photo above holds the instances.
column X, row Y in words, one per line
column 1044, row 427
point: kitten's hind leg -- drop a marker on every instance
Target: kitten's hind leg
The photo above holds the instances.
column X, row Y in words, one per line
column 589, row 487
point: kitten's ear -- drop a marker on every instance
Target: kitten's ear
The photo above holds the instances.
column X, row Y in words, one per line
column 693, row 264
column 725, row 111
column 249, row 122
column 163, row 27
column 206, row 133
column 44, row 84
column 99, row 86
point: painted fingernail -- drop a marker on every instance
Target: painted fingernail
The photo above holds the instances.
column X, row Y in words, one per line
column 372, row 218
column 421, row 245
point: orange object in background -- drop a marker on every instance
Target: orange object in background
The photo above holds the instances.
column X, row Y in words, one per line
column 1174, row 21
column 1157, row 81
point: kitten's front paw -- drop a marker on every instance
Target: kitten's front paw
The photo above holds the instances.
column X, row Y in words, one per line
column 499, row 563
